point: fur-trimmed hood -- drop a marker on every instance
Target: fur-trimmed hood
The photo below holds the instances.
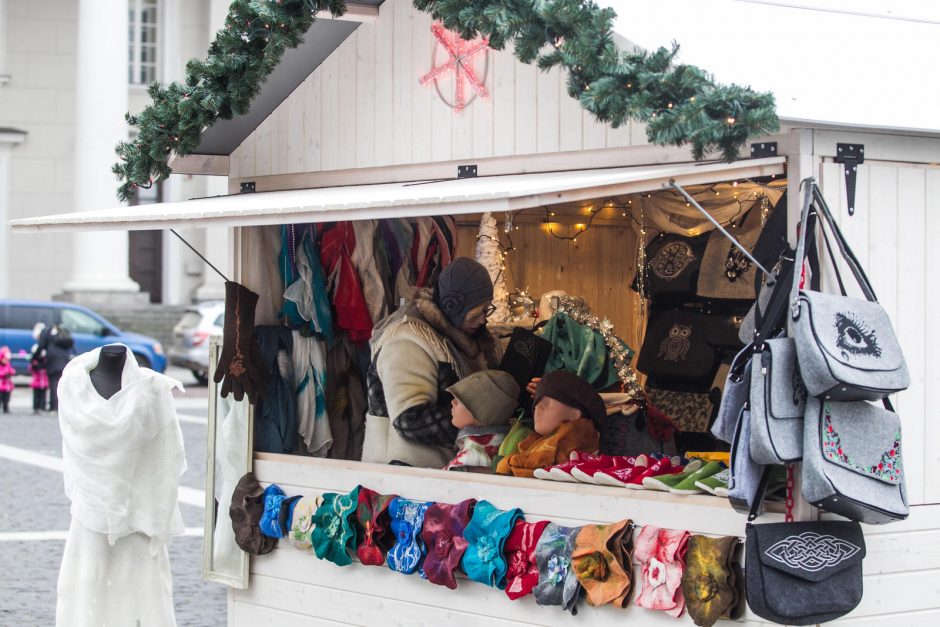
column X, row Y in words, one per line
column 480, row 350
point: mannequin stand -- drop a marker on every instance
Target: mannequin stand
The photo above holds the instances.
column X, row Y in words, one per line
column 106, row 375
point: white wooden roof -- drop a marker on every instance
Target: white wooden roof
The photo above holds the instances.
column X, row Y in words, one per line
column 866, row 63
column 423, row 198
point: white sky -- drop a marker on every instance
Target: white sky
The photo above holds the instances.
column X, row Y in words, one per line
column 860, row 62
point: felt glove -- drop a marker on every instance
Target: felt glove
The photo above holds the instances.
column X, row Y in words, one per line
column 240, row 363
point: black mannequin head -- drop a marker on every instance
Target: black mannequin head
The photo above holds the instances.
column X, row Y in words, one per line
column 106, row 375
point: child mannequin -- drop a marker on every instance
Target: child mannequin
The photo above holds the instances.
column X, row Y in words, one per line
column 568, row 416
column 6, row 379
column 482, row 406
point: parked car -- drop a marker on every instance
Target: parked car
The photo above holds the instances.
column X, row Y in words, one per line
column 89, row 330
column 191, row 335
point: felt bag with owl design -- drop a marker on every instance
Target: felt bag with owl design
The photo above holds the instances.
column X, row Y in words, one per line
column 672, row 264
column 846, row 347
column 675, row 347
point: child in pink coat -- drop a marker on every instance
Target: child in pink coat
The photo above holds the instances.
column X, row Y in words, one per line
column 39, row 382
column 6, row 379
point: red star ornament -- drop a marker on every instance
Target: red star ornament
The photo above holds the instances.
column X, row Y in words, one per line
column 460, row 62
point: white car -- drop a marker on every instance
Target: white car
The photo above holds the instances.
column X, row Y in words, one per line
column 191, row 335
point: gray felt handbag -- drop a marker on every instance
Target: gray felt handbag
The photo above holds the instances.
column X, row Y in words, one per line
column 846, row 347
column 778, row 402
column 852, row 463
column 804, row 573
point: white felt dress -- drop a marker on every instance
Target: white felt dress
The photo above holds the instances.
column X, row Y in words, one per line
column 122, row 460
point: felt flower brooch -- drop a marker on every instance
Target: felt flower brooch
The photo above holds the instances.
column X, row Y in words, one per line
column 486, row 535
column 711, row 582
column 558, row 584
column 374, row 537
column 444, row 525
column 662, row 553
column 407, row 519
column 334, row 535
column 522, row 571
column 603, row 560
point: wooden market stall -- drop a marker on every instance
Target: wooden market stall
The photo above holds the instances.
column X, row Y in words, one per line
column 359, row 138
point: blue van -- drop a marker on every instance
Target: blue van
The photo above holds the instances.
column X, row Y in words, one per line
column 88, row 329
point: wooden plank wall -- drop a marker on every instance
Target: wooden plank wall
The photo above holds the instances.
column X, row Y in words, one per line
column 893, row 233
column 363, row 107
column 599, row 267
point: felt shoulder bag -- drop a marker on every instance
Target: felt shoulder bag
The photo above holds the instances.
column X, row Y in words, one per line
column 726, row 273
column 673, row 263
column 778, row 403
column 852, row 462
column 525, row 358
column 804, row 573
column 846, row 346
column 675, row 347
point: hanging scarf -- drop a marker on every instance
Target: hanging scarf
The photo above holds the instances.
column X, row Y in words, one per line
column 306, row 302
column 122, row 457
column 309, row 360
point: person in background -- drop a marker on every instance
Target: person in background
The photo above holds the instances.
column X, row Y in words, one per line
column 39, row 382
column 56, row 344
column 419, row 351
column 37, row 368
column 6, row 379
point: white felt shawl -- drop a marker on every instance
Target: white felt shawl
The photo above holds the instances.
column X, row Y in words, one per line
column 122, row 456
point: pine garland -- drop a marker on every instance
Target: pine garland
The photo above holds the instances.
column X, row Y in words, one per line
column 240, row 58
column 680, row 104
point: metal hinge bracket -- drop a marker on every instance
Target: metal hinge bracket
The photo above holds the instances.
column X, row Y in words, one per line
column 852, row 156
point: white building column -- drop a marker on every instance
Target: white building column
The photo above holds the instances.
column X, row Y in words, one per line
column 216, row 246
column 100, row 268
column 8, row 139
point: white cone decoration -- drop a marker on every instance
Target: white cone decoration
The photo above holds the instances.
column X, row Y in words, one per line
column 488, row 254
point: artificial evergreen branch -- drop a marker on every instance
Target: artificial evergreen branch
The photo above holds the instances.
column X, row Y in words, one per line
column 680, row 104
column 240, row 58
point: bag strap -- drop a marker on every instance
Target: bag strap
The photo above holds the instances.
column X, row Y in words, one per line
column 757, row 503
column 844, row 247
column 813, row 199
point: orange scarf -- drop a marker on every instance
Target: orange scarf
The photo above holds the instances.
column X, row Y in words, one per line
column 540, row 451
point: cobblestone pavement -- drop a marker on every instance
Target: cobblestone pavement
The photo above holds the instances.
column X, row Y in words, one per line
column 32, row 500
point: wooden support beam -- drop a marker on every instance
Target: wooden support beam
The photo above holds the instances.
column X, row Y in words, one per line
column 210, row 165
column 354, row 13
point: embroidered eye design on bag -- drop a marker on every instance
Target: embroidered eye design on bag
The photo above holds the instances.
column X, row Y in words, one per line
column 736, row 265
column 854, row 337
column 675, row 346
column 799, row 390
column 671, row 260
column 811, row 551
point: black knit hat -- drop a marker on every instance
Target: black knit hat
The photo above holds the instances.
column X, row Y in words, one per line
column 463, row 285
column 570, row 389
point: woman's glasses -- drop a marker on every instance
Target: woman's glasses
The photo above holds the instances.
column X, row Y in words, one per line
column 489, row 310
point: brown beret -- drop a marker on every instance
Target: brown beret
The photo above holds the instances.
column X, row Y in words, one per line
column 570, row 389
